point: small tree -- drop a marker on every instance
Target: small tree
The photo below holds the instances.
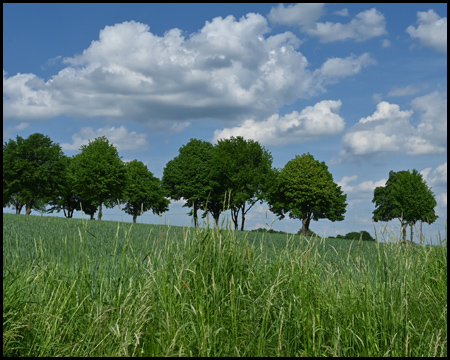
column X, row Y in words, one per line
column 406, row 197
column 143, row 191
column 305, row 189
column 98, row 174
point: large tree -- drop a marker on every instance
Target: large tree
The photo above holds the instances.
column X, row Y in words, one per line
column 98, row 173
column 187, row 175
column 305, row 189
column 32, row 169
column 406, row 197
column 241, row 169
column 143, row 191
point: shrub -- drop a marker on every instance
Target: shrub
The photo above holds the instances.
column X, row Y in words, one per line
column 363, row 235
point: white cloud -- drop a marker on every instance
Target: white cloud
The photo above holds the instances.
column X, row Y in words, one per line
column 343, row 12
column 385, row 43
column 433, row 125
column 436, row 177
column 229, row 69
column 120, row 138
column 363, row 187
column 431, row 30
column 296, row 14
column 408, row 90
column 442, row 199
column 365, row 25
column 322, row 119
column 389, row 129
column 341, row 67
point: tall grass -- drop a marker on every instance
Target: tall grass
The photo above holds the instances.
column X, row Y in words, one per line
column 82, row 288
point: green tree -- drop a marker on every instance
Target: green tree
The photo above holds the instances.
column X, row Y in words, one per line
column 143, row 191
column 187, row 175
column 32, row 169
column 98, row 174
column 241, row 169
column 65, row 199
column 305, row 189
column 406, row 197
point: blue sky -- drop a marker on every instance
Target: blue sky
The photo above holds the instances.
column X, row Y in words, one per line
column 362, row 87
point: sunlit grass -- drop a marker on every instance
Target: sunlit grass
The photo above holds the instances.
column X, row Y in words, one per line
column 88, row 288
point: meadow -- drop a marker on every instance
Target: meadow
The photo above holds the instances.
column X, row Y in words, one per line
column 74, row 287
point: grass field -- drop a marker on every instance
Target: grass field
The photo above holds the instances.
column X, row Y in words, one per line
column 75, row 287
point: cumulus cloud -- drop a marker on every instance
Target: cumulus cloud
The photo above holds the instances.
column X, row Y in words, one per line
column 229, row 69
column 364, row 26
column 296, row 14
column 389, row 129
column 322, row 119
column 363, row 187
column 119, row 137
column 335, row 68
column 436, row 177
column 431, row 30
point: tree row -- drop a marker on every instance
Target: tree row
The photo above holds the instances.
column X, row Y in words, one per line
column 234, row 175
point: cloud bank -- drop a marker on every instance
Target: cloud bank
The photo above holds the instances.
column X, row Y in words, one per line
column 229, row 70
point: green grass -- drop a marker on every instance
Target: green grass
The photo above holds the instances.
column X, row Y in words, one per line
column 88, row 288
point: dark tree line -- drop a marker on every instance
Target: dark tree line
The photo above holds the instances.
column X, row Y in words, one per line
column 235, row 174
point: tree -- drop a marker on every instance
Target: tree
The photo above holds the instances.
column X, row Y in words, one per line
column 98, row 174
column 65, row 199
column 406, row 197
column 32, row 169
column 187, row 175
column 241, row 169
column 143, row 191
column 305, row 189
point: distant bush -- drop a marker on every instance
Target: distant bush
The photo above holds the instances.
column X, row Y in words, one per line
column 363, row 235
column 270, row 231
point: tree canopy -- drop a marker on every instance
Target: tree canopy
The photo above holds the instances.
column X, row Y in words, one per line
column 98, row 173
column 242, row 169
column 32, row 169
column 143, row 191
column 406, row 197
column 187, row 175
column 305, row 189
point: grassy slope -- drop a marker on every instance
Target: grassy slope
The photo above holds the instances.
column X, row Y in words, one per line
column 79, row 288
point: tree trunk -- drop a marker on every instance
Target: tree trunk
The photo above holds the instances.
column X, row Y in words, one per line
column 28, row 207
column 411, row 225
column 305, row 224
column 195, row 213
column 234, row 217
column 100, row 211
column 404, row 231
column 243, row 217
column 134, row 219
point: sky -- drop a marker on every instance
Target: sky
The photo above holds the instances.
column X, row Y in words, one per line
column 362, row 87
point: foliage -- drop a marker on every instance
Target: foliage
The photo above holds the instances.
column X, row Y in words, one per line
column 241, row 171
column 143, row 191
column 32, row 169
column 406, row 197
column 65, row 199
column 187, row 175
column 362, row 235
column 305, row 189
column 98, row 174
